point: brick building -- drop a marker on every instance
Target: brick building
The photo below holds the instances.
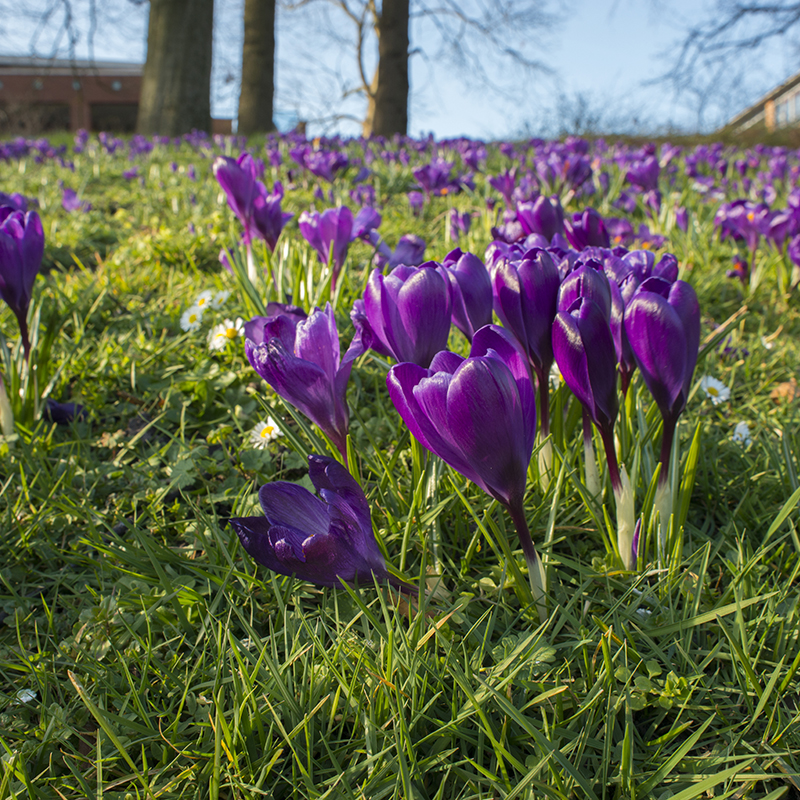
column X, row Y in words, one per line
column 779, row 108
column 43, row 94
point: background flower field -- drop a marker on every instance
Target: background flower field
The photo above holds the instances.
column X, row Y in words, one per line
column 143, row 653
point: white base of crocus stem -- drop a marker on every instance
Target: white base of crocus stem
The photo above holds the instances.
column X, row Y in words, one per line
column 538, row 581
column 545, row 464
column 662, row 503
column 591, row 475
column 626, row 520
column 251, row 265
column 6, row 414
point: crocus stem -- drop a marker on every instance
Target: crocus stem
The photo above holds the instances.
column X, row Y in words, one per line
column 592, row 478
column 23, row 335
column 546, row 450
column 623, row 498
column 536, row 574
column 251, row 264
column 663, row 498
column 607, row 435
column 6, row 414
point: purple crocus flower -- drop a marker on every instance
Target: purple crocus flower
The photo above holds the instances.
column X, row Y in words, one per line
column 586, row 356
column 268, row 219
column 415, row 202
column 330, row 234
column 471, row 291
column 586, row 229
column 409, row 311
column 478, row 415
column 17, row 201
column 321, row 539
column 410, row 252
column 460, row 223
column 71, row 202
column 543, row 216
column 299, row 358
column 21, row 251
column 238, row 177
column 644, row 174
column 525, row 298
column 662, row 323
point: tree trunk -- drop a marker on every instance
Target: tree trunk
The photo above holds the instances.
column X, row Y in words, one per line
column 387, row 111
column 176, row 84
column 258, row 67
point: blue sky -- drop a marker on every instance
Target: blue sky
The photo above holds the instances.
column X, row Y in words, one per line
column 603, row 50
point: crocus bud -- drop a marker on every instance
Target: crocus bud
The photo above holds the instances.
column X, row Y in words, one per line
column 471, row 291
column 586, row 229
column 543, row 216
column 330, row 234
column 409, row 311
column 662, row 323
column 21, row 251
column 585, row 354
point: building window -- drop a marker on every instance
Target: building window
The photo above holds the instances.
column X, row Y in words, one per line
column 1, row 84
column 116, row 85
column 76, row 85
column 37, row 84
column 797, row 106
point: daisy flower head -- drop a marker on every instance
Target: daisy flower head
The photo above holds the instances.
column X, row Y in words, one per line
column 191, row 318
column 741, row 433
column 555, row 376
column 204, row 299
column 714, row 389
column 219, row 299
column 220, row 335
column 264, row 433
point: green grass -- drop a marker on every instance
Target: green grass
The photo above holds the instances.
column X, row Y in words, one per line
column 166, row 664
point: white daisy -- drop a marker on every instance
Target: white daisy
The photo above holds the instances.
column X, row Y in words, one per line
column 741, row 433
column 555, row 376
column 191, row 318
column 204, row 300
column 220, row 335
column 264, row 433
column 220, row 298
column 716, row 390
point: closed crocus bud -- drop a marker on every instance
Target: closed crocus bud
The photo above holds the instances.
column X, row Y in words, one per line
column 543, row 216
column 410, row 251
column 585, row 353
column 300, row 360
column 268, row 218
column 471, row 291
column 409, row 311
column 321, row 538
column 237, row 177
column 588, row 281
column 479, row 415
column 586, row 229
column 330, row 234
column 662, row 323
column 21, row 251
